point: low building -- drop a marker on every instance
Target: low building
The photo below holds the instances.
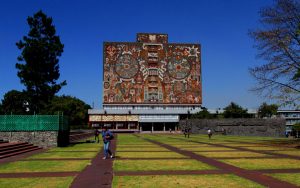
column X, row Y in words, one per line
column 291, row 117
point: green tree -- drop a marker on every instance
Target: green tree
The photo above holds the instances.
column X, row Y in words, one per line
column 74, row 108
column 14, row 102
column 40, row 51
column 203, row 114
column 233, row 110
column 266, row 110
column 278, row 43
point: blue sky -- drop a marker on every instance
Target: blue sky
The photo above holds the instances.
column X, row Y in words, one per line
column 221, row 27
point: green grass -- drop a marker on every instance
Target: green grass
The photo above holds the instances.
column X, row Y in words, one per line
column 145, row 165
column 49, row 182
column 293, row 178
column 142, row 148
column 290, row 152
column 266, row 148
column 58, row 154
column 231, row 154
column 149, row 154
column 255, row 164
column 43, row 166
column 185, row 181
column 212, row 148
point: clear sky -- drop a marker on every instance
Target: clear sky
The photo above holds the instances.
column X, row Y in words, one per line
column 221, row 27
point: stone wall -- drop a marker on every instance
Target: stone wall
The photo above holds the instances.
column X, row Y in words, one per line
column 241, row 126
column 43, row 139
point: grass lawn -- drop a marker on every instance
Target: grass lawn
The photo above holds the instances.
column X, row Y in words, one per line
column 145, row 165
column 142, row 148
column 254, row 164
column 124, row 139
column 293, row 178
column 231, row 154
column 242, row 145
column 186, row 181
column 49, row 182
column 266, row 148
column 290, row 152
column 43, row 166
column 189, row 145
column 212, row 148
column 80, row 147
column 149, row 154
column 84, row 154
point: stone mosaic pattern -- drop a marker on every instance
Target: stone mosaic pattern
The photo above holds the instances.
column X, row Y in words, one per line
column 152, row 71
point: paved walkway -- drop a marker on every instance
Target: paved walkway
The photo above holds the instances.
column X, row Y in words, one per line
column 99, row 174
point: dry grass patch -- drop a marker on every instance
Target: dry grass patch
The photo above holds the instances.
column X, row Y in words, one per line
column 231, row 154
column 212, row 148
column 74, row 155
column 265, row 148
column 290, row 152
column 49, row 182
column 190, row 145
column 147, row 165
column 185, row 181
column 43, row 166
column 149, row 155
column 243, row 145
column 293, row 178
column 142, row 149
column 255, row 164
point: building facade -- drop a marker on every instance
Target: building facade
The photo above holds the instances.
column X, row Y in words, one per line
column 149, row 84
column 291, row 117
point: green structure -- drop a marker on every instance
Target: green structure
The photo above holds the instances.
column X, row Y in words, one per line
column 33, row 123
column 42, row 130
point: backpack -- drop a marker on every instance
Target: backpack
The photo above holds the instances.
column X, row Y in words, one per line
column 111, row 137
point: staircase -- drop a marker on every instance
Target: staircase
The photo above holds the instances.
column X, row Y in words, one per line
column 8, row 149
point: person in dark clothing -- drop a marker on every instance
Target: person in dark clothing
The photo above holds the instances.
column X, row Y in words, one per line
column 186, row 132
column 106, row 137
column 97, row 132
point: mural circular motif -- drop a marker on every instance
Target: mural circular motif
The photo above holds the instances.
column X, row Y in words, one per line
column 179, row 68
column 126, row 66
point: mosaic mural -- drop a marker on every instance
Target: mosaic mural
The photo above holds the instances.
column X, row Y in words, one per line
column 152, row 71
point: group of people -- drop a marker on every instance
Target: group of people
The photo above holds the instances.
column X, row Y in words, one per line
column 187, row 130
column 107, row 137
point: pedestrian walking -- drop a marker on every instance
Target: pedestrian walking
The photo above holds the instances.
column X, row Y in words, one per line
column 209, row 133
column 107, row 136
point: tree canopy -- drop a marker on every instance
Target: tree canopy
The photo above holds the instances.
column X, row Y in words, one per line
column 14, row 102
column 74, row 108
column 204, row 114
column 233, row 110
column 266, row 110
column 278, row 44
column 38, row 69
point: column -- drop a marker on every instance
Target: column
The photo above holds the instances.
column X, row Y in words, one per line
column 152, row 128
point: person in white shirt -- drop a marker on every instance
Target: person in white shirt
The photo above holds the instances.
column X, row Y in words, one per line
column 209, row 132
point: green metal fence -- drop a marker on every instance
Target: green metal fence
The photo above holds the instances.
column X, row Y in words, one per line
column 33, row 123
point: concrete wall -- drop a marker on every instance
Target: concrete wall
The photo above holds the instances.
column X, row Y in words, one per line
column 43, row 139
column 241, row 126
